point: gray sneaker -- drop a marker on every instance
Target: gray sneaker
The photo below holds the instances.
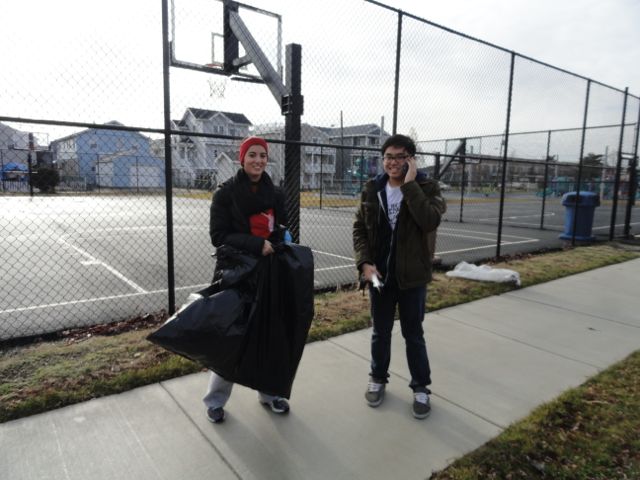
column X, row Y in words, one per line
column 278, row 405
column 374, row 394
column 421, row 403
column 215, row 415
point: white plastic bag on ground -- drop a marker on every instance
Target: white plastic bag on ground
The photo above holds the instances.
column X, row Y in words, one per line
column 484, row 273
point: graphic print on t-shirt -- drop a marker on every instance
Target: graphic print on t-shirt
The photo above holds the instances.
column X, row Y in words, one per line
column 394, row 199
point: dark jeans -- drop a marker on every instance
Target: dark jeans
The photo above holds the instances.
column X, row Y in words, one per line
column 411, row 309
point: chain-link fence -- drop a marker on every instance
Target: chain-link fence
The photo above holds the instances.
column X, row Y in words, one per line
column 114, row 134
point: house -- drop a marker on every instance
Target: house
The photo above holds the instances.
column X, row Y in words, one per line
column 109, row 158
column 18, row 149
column 14, row 146
column 202, row 162
column 317, row 163
column 356, row 162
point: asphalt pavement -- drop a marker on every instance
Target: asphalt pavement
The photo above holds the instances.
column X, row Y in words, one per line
column 493, row 361
column 69, row 262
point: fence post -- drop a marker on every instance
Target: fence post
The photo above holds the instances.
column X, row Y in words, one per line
column 29, row 160
column 616, row 183
column 633, row 180
column 396, row 86
column 504, row 154
column 361, row 170
column 579, row 179
column 321, row 177
column 341, row 150
column 2, row 168
column 463, row 161
column 545, row 180
column 97, row 180
column 168, row 179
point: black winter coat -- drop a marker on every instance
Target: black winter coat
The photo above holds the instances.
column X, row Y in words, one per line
column 232, row 205
column 420, row 213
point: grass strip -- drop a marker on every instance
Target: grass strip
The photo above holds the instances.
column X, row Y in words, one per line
column 589, row 432
column 48, row 375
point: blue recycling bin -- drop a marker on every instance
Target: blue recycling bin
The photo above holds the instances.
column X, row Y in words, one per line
column 587, row 203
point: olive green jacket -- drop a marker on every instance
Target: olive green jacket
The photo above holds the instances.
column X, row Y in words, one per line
column 420, row 213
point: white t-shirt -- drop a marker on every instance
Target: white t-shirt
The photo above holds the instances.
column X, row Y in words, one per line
column 394, row 198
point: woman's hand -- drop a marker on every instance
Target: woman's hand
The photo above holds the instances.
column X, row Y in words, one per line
column 267, row 248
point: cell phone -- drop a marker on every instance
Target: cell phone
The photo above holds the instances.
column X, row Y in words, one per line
column 405, row 168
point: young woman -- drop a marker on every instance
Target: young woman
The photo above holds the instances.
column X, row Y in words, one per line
column 245, row 213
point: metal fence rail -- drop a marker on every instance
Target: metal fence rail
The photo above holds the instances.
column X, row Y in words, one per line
column 111, row 146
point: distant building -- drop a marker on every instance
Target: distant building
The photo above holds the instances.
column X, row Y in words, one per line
column 109, row 158
column 355, row 161
column 203, row 162
column 317, row 163
column 332, row 168
column 14, row 146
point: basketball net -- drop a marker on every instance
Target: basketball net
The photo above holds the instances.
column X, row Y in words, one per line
column 217, row 87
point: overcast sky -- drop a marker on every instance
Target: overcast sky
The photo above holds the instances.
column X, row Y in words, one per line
column 599, row 39
column 101, row 61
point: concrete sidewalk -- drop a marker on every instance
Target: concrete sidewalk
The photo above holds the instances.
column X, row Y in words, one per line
column 493, row 361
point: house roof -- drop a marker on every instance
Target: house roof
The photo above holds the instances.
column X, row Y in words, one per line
column 354, row 130
column 207, row 114
column 81, row 132
column 6, row 128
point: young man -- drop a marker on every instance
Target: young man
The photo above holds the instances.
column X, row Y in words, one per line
column 398, row 210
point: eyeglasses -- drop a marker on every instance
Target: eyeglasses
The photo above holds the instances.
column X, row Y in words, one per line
column 400, row 157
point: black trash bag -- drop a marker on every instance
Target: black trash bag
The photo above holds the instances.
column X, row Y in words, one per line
column 280, row 324
column 234, row 266
column 210, row 330
column 253, row 334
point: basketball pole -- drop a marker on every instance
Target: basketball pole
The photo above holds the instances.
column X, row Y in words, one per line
column 288, row 96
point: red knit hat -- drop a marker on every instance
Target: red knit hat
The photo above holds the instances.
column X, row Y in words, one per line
column 247, row 143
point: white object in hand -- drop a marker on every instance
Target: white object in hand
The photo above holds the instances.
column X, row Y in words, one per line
column 375, row 281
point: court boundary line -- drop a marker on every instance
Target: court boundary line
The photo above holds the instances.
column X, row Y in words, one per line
column 94, row 261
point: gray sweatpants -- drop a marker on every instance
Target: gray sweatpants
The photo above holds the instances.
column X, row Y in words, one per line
column 219, row 392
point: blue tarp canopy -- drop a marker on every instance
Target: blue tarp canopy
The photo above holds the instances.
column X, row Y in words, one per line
column 13, row 167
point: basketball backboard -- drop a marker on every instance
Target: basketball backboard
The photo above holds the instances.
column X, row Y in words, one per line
column 200, row 35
